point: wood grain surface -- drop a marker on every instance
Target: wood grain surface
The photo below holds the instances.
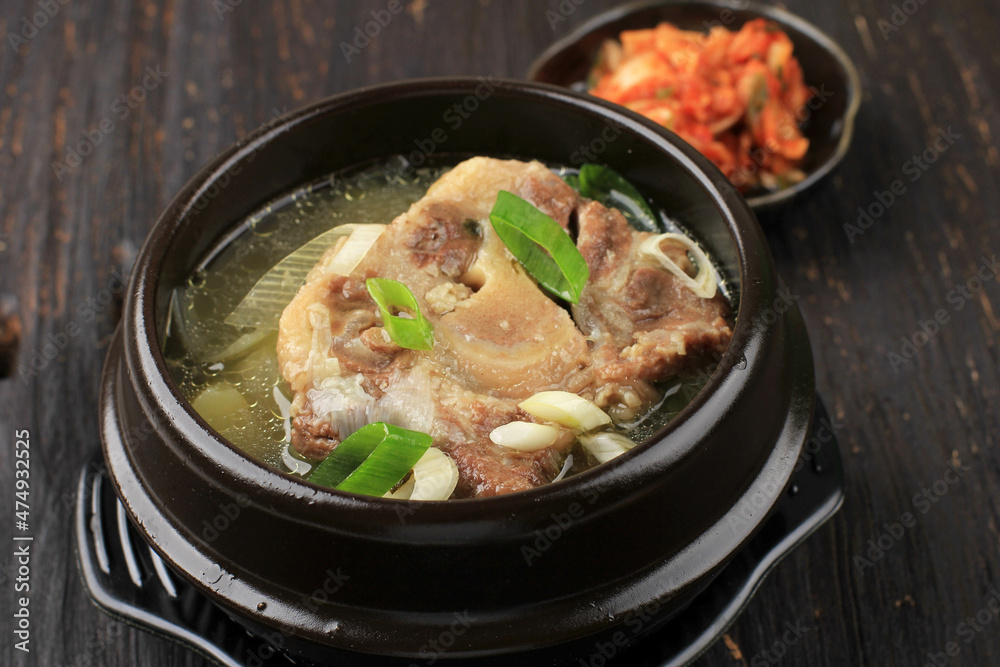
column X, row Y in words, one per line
column 150, row 91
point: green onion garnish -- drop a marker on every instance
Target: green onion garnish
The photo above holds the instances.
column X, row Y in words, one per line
column 608, row 187
column 372, row 460
column 541, row 245
column 572, row 180
column 391, row 296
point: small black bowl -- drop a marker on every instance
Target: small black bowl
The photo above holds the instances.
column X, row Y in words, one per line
column 547, row 571
column 828, row 70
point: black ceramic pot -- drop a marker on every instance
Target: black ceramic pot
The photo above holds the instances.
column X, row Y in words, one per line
column 547, row 570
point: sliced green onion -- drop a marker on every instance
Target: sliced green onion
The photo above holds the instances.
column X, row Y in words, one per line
column 758, row 97
column 262, row 306
column 572, row 180
column 606, row 445
column 405, row 489
column 704, row 284
column 566, row 409
column 525, row 436
column 243, row 345
column 435, row 476
column 541, row 245
column 609, row 188
column 372, row 460
column 355, row 248
column 413, row 332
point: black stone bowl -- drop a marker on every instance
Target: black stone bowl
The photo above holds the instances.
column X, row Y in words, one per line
column 549, row 570
column 827, row 120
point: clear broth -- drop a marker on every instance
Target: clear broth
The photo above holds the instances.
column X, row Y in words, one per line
column 196, row 331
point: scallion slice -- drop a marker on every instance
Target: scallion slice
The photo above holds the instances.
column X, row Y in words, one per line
column 262, row 306
column 525, row 436
column 566, row 409
column 543, row 247
column 606, row 445
column 704, row 284
column 435, row 476
column 608, row 187
column 372, row 460
column 391, row 296
column 572, row 180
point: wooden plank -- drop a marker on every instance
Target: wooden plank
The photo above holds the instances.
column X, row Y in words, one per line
column 64, row 233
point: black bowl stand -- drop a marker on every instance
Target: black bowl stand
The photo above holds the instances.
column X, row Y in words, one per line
column 129, row 581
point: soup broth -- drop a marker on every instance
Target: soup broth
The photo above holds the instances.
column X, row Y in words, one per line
column 230, row 373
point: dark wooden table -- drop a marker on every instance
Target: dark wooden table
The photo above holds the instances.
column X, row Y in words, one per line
column 108, row 108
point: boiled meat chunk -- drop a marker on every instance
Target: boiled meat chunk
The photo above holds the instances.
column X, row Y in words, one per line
column 644, row 324
column 498, row 338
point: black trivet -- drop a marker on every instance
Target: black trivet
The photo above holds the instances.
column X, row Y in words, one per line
column 129, row 581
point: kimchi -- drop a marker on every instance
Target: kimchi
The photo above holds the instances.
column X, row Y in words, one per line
column 737, row 97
